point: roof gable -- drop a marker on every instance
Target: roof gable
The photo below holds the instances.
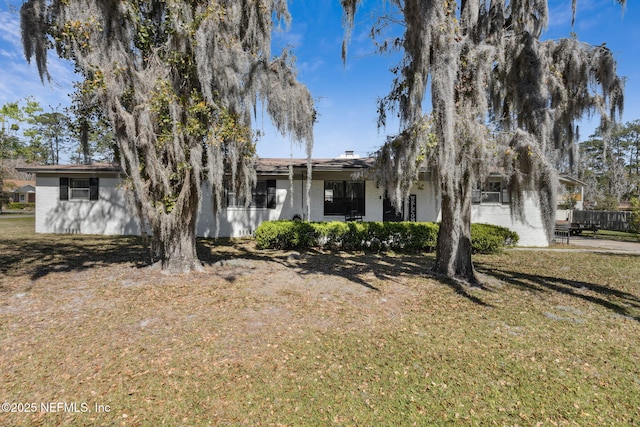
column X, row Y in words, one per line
column 25, row 189
column 10, row 185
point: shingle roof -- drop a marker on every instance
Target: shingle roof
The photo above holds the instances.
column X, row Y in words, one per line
column 263, row 165
column 277, row 165
column 76, row 168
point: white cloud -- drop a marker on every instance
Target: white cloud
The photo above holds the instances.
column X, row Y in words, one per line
column 8, row 54
column 310, row 66
column 286, row 38
column 10, row 24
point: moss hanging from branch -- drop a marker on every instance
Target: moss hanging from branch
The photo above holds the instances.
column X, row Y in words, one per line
column 502, row 100
column 179, row 81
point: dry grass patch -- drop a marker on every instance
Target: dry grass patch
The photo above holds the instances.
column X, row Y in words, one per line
column 266, row 338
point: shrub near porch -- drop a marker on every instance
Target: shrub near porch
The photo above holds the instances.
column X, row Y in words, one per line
column 408, row 237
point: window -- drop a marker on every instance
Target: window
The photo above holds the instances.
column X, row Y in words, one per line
column 492, row 191
column 262, row 196
column 79, row 188
column 344, row 198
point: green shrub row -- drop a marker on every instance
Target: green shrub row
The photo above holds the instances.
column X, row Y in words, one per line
column 374, row 236
column 17, row 205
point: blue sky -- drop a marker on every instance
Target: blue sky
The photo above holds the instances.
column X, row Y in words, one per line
column 345, row 95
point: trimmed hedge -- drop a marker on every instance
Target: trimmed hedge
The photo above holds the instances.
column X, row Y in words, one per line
column 285, row 235
column 491, row 239
column 19, row 205
column 374, row 236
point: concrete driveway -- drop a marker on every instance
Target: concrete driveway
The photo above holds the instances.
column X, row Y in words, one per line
column 589, row 243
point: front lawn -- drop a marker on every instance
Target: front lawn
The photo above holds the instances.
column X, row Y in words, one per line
column 316, row 338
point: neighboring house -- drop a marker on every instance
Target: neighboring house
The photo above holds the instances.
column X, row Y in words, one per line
column 19, row 191
column 570, row 197
column 89, row 199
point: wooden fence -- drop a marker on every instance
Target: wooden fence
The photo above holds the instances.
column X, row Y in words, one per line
column 606, row 220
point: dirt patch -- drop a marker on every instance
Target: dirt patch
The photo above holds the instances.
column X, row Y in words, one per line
column 256, row 300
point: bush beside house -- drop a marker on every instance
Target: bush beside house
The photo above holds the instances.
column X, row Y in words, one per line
column 374, row 236
column 21, row 206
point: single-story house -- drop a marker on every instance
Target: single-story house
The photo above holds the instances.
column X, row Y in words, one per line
column 19, row 191
column 89, row 199
column 570, row 197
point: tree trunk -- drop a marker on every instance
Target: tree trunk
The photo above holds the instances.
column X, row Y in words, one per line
column 453, row 249
column 1, row 184
column 178, row 241
column 84, row 141
column 180, row 255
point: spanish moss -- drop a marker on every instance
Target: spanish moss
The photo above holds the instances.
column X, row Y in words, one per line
column 180, row 82
column 503, row 101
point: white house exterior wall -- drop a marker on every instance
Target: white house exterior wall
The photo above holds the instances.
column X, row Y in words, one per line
column 242, row 222
column 427, row 202
column 531, row 230
column 564, row 214
column 107, row 215
column 110, row 214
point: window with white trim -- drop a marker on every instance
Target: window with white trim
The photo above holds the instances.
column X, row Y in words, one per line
column 493, row 190
column 79, row 188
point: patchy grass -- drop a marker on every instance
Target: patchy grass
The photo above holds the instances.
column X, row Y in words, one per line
column 350, row 339
column 616, row 235
column 16, row 227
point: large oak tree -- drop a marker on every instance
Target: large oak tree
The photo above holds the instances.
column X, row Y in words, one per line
column 179, row 81
column 501, row 99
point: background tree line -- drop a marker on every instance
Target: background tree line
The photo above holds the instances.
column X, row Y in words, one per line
column 610, row 166
column 34, row 135
column 31, row 134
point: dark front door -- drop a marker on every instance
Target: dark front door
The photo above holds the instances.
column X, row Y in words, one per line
column 389, row 213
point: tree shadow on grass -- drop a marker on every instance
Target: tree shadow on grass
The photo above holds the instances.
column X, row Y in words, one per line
column 356, row 267
column 48, row 254
column 620, row 302
column 42, row 255
column 385, row 268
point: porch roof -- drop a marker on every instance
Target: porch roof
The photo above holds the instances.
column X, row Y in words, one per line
column 571, row 180
column 281, row 165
